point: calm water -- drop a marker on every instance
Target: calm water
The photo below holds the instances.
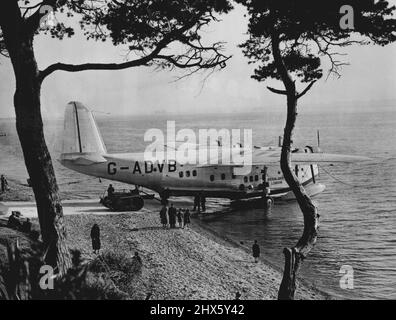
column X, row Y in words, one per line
column 358, row 215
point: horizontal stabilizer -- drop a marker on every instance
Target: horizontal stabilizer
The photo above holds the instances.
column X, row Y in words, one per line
column 83, row 159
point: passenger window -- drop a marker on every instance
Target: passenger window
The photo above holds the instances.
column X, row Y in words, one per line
column 223, row 176
column 212, row 178
column 251, row 178
column 194, row 173
column 256, row 178
column 188, row 174
column 245, row 179
column 181, row 174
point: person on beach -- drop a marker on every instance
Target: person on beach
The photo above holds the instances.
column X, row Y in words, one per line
column 27, row 226
column 163, row 216
column 136, row 263
column 186, row 218
column 172, row 216
column 197, row 203
column 180, row 218
column 256, row 251
column 110, row 191
column 203, row 202
column 4, row 183
column 95, row 236
column 13, row 221
column 137, row 258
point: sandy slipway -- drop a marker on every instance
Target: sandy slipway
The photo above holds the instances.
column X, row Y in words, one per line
column 180, row 264
column 191, row 263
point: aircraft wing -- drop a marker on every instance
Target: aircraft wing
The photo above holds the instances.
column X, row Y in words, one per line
column 272, row 156
column 325, row 158
column 268, row 157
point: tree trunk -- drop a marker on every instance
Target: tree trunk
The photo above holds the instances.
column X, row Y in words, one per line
column 293, row 256
column 19, row 43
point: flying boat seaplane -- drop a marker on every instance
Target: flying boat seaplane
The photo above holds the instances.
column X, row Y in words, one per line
column 84, row 151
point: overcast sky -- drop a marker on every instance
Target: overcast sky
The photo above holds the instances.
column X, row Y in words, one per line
column 367, row 84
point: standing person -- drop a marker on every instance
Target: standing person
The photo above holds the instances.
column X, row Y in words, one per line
column 186, row 218
column 256, row 251
column 172, row 216
column 163, row 216
column 197, row 203
column 27, row 226
column 137, row 263
column 4, row 183
column 137, row 258
column 180, row 218
column 95, row 236
column 110, row 191
column 203, row 202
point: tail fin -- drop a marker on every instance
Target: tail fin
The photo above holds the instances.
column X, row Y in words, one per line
column 81, row 133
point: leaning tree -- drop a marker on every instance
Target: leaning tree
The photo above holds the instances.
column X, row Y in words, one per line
column 160, row 33
column 288, row 40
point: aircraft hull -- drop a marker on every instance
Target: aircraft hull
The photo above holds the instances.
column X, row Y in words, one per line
column 169, row 181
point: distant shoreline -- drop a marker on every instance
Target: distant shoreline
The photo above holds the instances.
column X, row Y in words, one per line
column 347, row 107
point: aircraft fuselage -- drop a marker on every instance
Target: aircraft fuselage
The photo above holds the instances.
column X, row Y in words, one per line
column 188, row 180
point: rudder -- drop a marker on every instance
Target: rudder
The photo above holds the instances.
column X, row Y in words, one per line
column 80, row 132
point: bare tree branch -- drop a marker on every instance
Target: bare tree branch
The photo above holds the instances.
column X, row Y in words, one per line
column 93, row 66
column 306, row 90
column 218, row 60
column 277, row 91
column 192, row 58
column 324, row 45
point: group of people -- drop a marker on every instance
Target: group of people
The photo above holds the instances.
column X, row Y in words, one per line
column 172, row 216
column 199, row 203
